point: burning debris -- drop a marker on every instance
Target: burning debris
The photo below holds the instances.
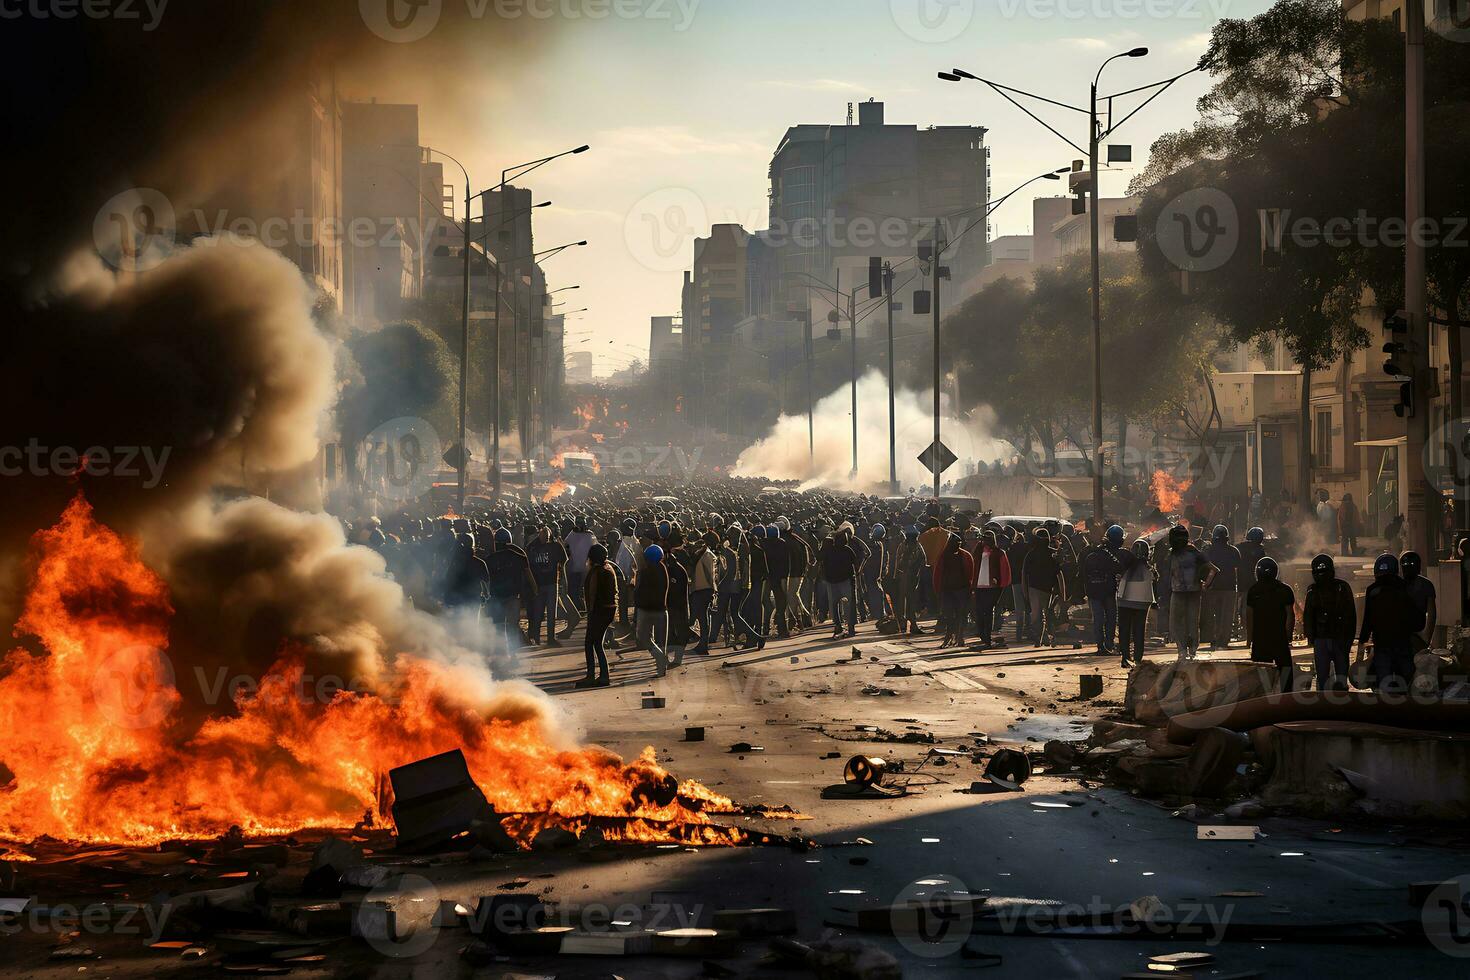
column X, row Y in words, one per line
column 100, row 750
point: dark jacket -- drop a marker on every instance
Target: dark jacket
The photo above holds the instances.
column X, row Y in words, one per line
column 839, row 562
column 1329, row 612
column 600, row 590
column 1390, row 615
column 955, row 570
column 651, row 591
column 1100, row 571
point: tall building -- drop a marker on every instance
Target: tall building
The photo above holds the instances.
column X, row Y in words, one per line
column 840, row 194
column 578, row 367
column 391, row 215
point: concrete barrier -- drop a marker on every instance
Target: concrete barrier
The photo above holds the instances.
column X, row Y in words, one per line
column 1159, row 691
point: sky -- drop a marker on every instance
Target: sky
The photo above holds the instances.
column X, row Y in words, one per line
column 684, row 101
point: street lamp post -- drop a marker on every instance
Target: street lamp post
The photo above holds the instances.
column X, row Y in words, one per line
column 1095, row 135
column 506, row 175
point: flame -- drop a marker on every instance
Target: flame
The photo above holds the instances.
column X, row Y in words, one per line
column 1168, row 492
column 559, row 461
column 557, row 488
column 92, row 730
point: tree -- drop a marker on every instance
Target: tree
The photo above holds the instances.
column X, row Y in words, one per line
column 402, row 370
column 1305, row 120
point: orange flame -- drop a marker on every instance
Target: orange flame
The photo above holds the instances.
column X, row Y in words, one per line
column 92, row 730
column 1168, row 492
column 557, row 488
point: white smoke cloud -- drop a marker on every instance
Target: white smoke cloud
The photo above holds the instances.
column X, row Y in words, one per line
column 783, row 454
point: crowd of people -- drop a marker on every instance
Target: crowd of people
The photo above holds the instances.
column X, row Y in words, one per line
column 733, row 563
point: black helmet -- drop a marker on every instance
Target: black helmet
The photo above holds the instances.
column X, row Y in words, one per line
column 466, row 540
column 1221, row 533
column 1323, row 570
column 1178, row 536
column 1255, row 535
column 1385, row 566
column 1266, row 568
column 1410, row 564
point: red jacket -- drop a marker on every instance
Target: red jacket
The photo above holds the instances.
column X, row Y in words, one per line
column 954, row 570
column 1000, row 570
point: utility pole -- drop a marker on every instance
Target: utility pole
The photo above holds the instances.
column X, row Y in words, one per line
column 811, row 424
column 464, row 350
column 1097, row 432
column 939, row 246
column 852, row 324
column 892, row 419
column 1416, row 299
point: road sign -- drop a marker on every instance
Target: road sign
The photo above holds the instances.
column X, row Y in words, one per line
column 946, row 458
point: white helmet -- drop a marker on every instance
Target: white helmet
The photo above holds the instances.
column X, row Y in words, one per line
column 784, row 523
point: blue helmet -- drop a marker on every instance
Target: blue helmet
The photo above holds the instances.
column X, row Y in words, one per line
column 1115, row 536
column 664, row 529
column 772, row 531
column 759, row 531
column 879, row 531
column 654, row 554
column 1255, row 535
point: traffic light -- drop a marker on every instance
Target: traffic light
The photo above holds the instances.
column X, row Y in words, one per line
column 1394, row 350
column 1396, row 322
column 875, row 277
column 921, row 302
column 1405, row 407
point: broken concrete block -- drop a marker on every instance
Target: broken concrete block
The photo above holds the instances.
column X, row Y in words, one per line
column 1226, row 832
column 366, row 876
column 758, row 922
column 694, row 733
column 436, row 801
column 498, row 915
column 1212, row 761
column 1090, row 686
column 649, row 702
column 841, row 959
column 606, row 944
column 1158, row 691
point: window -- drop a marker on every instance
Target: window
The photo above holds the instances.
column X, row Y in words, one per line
column 1322, row 440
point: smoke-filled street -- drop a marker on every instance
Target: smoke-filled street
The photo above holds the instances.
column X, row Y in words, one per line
column 697, row 489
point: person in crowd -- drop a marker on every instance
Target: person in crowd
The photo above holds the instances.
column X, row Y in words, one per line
column 729, row 589
column 1273, row 606
column 1136, row 591
column 704, row 577
column 954, row 575
column 778, row 570
column 1421, row 590
column 874, row 570
column 799, row 560
column 1326, row 515
column 839, row 572
column 677, row 562
column 465, row 576
column 510, row 585
column 1393, row 535
column 1101, row 569
column 600, row 598
column 755, row 603
column 548, row 559
column 1043, row 575
column 1016, row 555
column 1329, row 619
column 992, row 579
column 908, row 570
column 1189, row 574
column 1391, row 618
column 1349, row 525
column 578, row 544
column 1221, row 596
column 651, row 597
